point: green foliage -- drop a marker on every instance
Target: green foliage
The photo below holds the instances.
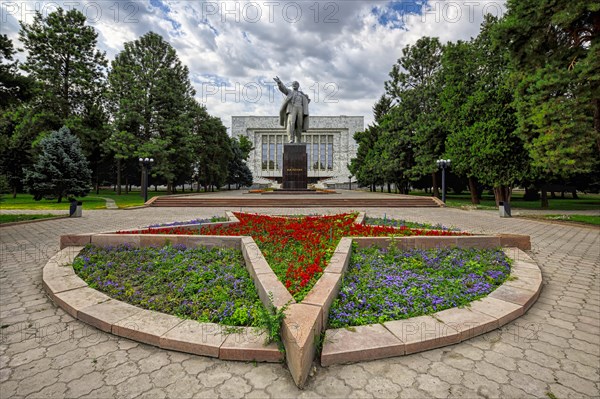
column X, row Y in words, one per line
column 61, row 169
column 238, row 172
column 555, row 54
column 271, row 320
column 151, row 99
column 204, row 284
column 391, row 284
column 63, row 59
column 14, row 87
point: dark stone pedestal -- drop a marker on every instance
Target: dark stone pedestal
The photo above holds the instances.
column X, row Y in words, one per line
column 295, row 176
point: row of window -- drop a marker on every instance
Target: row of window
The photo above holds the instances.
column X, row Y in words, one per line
column 319, row 151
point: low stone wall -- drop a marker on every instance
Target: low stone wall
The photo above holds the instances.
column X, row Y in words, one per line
column 403, row 337
column 73, row 295
column 305, row 321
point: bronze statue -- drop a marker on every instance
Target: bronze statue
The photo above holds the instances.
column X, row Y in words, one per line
column 293, row 114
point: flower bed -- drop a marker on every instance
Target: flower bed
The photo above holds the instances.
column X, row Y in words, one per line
column 384, row 221
column 188, row 222
column 389, row 284
column 207, row 285
column 298, row 248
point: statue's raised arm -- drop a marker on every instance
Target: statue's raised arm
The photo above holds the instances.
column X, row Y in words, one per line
column 280, row 85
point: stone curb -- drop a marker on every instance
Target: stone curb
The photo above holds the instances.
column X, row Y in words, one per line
column 521, row 242
column 402, row 337
column 73, row 295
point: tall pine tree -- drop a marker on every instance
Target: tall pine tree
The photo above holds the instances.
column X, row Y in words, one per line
column 151, row 101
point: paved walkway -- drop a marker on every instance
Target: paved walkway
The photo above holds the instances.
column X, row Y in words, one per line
column 553, row 350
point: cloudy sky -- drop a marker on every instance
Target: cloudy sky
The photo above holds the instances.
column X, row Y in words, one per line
column 340, row 51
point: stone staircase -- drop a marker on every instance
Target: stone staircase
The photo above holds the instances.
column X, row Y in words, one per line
column 289, row 201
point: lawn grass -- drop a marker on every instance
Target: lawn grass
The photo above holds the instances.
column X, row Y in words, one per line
column 22, row 218
column 91, row 201
column 585, row 202
column 583, row 219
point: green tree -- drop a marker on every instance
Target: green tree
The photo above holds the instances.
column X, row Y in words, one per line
column 555, row 54
column 238, row 172
column 61, row 169
column 477, row 102
column 70, row 75
column 415, row 86
column 151, row 101
column 14, row 87
column 63, row 59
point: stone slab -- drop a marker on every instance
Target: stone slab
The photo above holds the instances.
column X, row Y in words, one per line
column 526, row 283
column 360, row 343
column 248, row 345
column 146, row 326
column 422, row 333
column 360, row 219
column 324, row 292
column 104, row 315
column 523, row 242
column 266, row 283
column 468, row 322
column 481, row 242
column 191, row 336
column 70, row 240
column 344, row 246
column 159, row 240
column 74, row 300
column 214, row 241
column 255, row 261
column 53, row 269
column 301, row 327
column 67, row 255
column 502, row 311
column 113, row 240
column 519, row 296
column 424, row 242
column 56, row 284
column 338, row 263
column 232, row 218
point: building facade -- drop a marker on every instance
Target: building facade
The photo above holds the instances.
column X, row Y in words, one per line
column 329, row 143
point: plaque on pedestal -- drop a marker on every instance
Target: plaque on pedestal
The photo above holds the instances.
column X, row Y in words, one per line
column 295, row 176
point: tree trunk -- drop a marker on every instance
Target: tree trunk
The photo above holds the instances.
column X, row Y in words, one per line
column 97, row 182
column 126, row 184
column 59, row 199
column 169, row 188
column 14, row 192
column 473, row 190
column 435, row 190
column 544, row 198
column 389, row 188
column 119, row 176
column 502, row 194
column 574, row 194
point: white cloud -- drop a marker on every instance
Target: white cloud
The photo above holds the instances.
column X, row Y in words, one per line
column 340, row 51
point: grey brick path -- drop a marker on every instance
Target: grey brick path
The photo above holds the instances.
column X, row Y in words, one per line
column 553, row 349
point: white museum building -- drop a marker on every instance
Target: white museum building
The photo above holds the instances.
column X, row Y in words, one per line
column 329, row 146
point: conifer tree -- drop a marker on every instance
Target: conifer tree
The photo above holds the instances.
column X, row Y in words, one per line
column 61, row 169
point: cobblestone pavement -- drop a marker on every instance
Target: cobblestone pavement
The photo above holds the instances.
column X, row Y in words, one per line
column 553, row 350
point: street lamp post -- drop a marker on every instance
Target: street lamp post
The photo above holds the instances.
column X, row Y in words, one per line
column 443, row 164
column 146, row 164
column 350, row 182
